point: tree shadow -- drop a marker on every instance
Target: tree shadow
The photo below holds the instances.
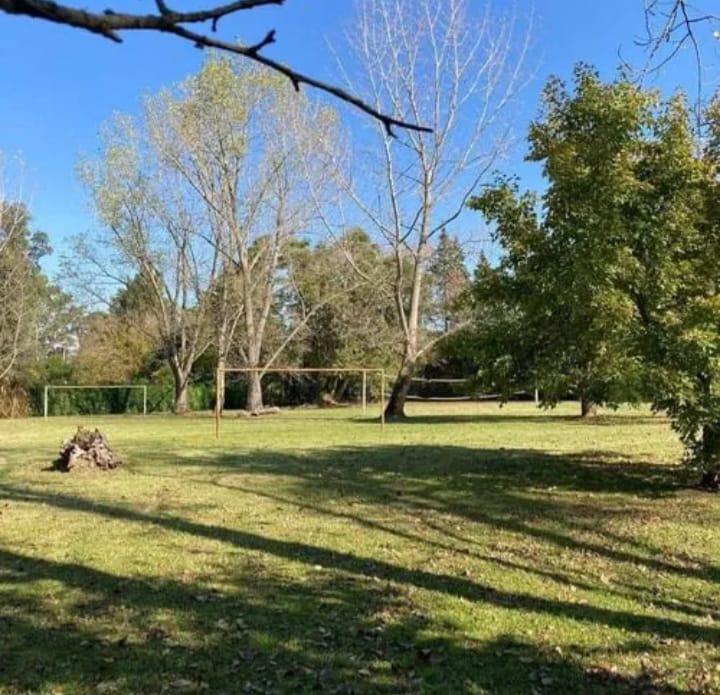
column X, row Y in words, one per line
column 278, row 637
column 542, row 418
column 567, row 502
column 352, row 626
column 373, row 568
column 275, row 638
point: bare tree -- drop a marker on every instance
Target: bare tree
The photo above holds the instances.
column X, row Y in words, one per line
column 111, row 24
column 150, row 221
column 440, row 63
column 16, row 275
column 245, row 145
column 201, row 132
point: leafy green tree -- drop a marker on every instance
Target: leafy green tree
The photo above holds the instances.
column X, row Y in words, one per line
column 673, row 278
column 555, row 294
column 354, row 323
column 615, row 276
column 449, row 281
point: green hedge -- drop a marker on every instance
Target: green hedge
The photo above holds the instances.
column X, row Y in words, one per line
column 160, row 399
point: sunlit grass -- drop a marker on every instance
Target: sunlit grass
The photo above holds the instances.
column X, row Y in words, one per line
column 470, row 549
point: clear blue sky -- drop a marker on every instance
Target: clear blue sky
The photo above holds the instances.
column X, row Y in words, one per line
column 58, row 85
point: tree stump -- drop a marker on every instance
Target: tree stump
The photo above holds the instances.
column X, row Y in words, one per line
column 87, row 450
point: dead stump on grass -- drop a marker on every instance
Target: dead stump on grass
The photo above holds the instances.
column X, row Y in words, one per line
column 87, row 450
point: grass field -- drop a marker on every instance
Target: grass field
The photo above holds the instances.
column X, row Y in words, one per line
column 470, row 550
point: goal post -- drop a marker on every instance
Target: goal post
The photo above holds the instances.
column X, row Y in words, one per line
column 100, row 387
column 262, row 371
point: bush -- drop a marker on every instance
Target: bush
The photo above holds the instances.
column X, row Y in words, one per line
column 160, row 399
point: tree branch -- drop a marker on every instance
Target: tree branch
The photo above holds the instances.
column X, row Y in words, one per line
column 111, row 24
column 669, row 28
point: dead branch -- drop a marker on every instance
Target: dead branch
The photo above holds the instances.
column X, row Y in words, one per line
column 110, row 25
column 670, row 26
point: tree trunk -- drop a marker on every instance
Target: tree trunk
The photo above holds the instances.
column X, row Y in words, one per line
column 588, row 409
column 395, row 408
column 709, row 457
column 182, row 382
column 220, row 386
column 711, row 445
column 181, row 396
column 254, row 400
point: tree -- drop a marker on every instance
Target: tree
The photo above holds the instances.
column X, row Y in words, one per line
column 449, row 281
column 570, row 324
column 112, row 350
column 674, row 282
column 58, row 324
column 355, row 323
column 150, row 224
column 202, row 132
column 246, row 148
column 671, row 25
column 21, row 284
column 121, row 344
column 631, row 211
column 111, row 24
column 439, row 63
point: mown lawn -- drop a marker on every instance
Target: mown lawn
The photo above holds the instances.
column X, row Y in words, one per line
column 470, row 550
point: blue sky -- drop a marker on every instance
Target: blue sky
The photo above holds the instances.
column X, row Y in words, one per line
column 58, row 85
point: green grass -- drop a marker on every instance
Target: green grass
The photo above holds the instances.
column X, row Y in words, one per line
column 470, row 550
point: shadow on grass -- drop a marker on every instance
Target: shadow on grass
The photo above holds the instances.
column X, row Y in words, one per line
column 547, row 417
column 352, row 627
column 272, row 639
column 339, row 633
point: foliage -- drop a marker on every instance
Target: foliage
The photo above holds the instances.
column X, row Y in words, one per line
column 353, row 323
column 245, row 145
column 37, row 318
column 449, row 281
column 114, row 349
column 675, row 270
column 615, row 280
column 556, row 313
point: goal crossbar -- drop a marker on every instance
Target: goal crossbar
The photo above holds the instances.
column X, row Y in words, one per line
column 99, row 387
column 363, row 371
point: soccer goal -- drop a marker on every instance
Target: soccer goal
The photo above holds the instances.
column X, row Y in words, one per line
column 364, row 374
column 50, row 388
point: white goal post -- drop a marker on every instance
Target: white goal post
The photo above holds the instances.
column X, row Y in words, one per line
column 262, row 371
column 63, row 387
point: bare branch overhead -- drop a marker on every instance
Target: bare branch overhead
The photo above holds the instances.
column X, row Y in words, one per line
column 111, row 24
column 670, row 27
